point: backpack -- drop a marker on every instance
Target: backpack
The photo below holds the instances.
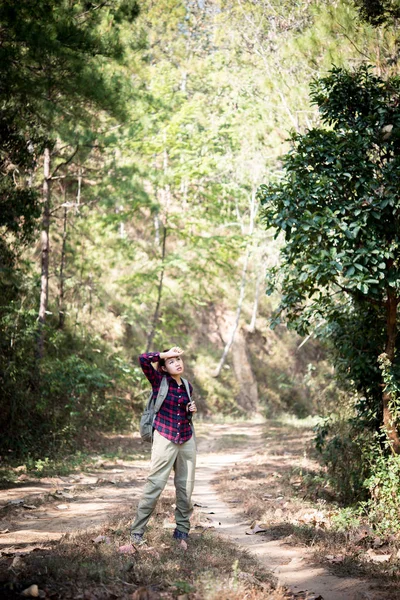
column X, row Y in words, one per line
column 152, row 408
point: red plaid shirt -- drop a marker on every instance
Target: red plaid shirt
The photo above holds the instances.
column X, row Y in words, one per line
column 172, row 419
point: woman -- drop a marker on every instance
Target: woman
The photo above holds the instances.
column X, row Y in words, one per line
column 174, row 445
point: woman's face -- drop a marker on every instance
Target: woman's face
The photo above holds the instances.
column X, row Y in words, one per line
column 174, row 365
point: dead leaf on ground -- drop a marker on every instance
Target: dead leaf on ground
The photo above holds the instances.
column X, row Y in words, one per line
column 17, row 563
column 31, row 592
column 4, row 531
column 62, row 506
column 374, row 557
column 204, row 525
column 335, row 558
column 256, row 528
column 143, row 593
column 183, row 545
column 65, row 495
column 101, row 538
column 316, row 518
column 152, row 551
column 29, row 506
column 361, row 533
column 127, row 549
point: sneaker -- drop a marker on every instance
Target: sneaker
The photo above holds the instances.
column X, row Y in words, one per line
column 137, row 539
column 180, row 535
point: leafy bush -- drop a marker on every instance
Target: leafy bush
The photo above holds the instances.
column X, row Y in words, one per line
column 383, row 507
column 80, row 386
column 343, row 448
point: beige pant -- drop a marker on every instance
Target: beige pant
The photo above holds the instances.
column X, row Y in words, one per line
column 165, row 456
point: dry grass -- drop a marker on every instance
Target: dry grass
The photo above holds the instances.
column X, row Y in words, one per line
column 77, row 568
column 284, row 489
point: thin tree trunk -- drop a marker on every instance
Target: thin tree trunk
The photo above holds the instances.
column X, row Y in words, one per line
column 79, row 190
column 156, row 229
column 391, row 333
column 252, row 325
column 45, row 251
column 61, row 308
column 156, row 315
column 231, row 337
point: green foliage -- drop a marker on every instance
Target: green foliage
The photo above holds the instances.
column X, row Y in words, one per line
column 162, row 121
column 344, row 449
column 383, row 507
column 81, row 387
column 378, row 12
column 337, row 205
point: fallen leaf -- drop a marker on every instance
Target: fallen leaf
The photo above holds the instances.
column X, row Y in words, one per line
column 183, row 545
column 65, row 495
column 377, row 557
column 335, row 559
column 256, row 528
column 204, row 525
column 101, row 538
column 143, row 593
column 153, row 552
column 4, row 531
column 29, row 506
column 361, row 533
column 31, row 592
column 17, row 563
column 377, row 542
column 62, row 506
column 127, row 549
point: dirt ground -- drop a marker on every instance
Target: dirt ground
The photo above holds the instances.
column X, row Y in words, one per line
column 37, row 512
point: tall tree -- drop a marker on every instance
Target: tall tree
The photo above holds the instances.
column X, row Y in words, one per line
column 338, row 207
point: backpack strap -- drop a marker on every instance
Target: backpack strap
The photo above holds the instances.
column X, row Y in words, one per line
column 186, row 383
column 162, row 394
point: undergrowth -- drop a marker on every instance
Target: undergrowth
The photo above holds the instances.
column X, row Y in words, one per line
column 76, row 567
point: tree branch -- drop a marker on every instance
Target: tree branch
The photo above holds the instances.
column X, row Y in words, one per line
column 64, row 164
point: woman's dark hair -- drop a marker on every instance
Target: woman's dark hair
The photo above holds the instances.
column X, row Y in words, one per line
column 161, row 362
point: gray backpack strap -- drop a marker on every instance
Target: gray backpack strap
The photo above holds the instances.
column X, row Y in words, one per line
column 186, row 383
column 162, row 394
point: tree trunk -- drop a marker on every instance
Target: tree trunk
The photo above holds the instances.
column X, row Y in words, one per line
column 391, row 333
column 156, row 315
column 252, row 325
column 231, row 338
column 45, row 251
column 61, row 308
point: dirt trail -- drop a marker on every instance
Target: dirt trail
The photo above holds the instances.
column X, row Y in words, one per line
column 293, row 566
column 85, row 501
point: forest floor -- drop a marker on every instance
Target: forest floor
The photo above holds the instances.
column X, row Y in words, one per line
column 261, row 528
